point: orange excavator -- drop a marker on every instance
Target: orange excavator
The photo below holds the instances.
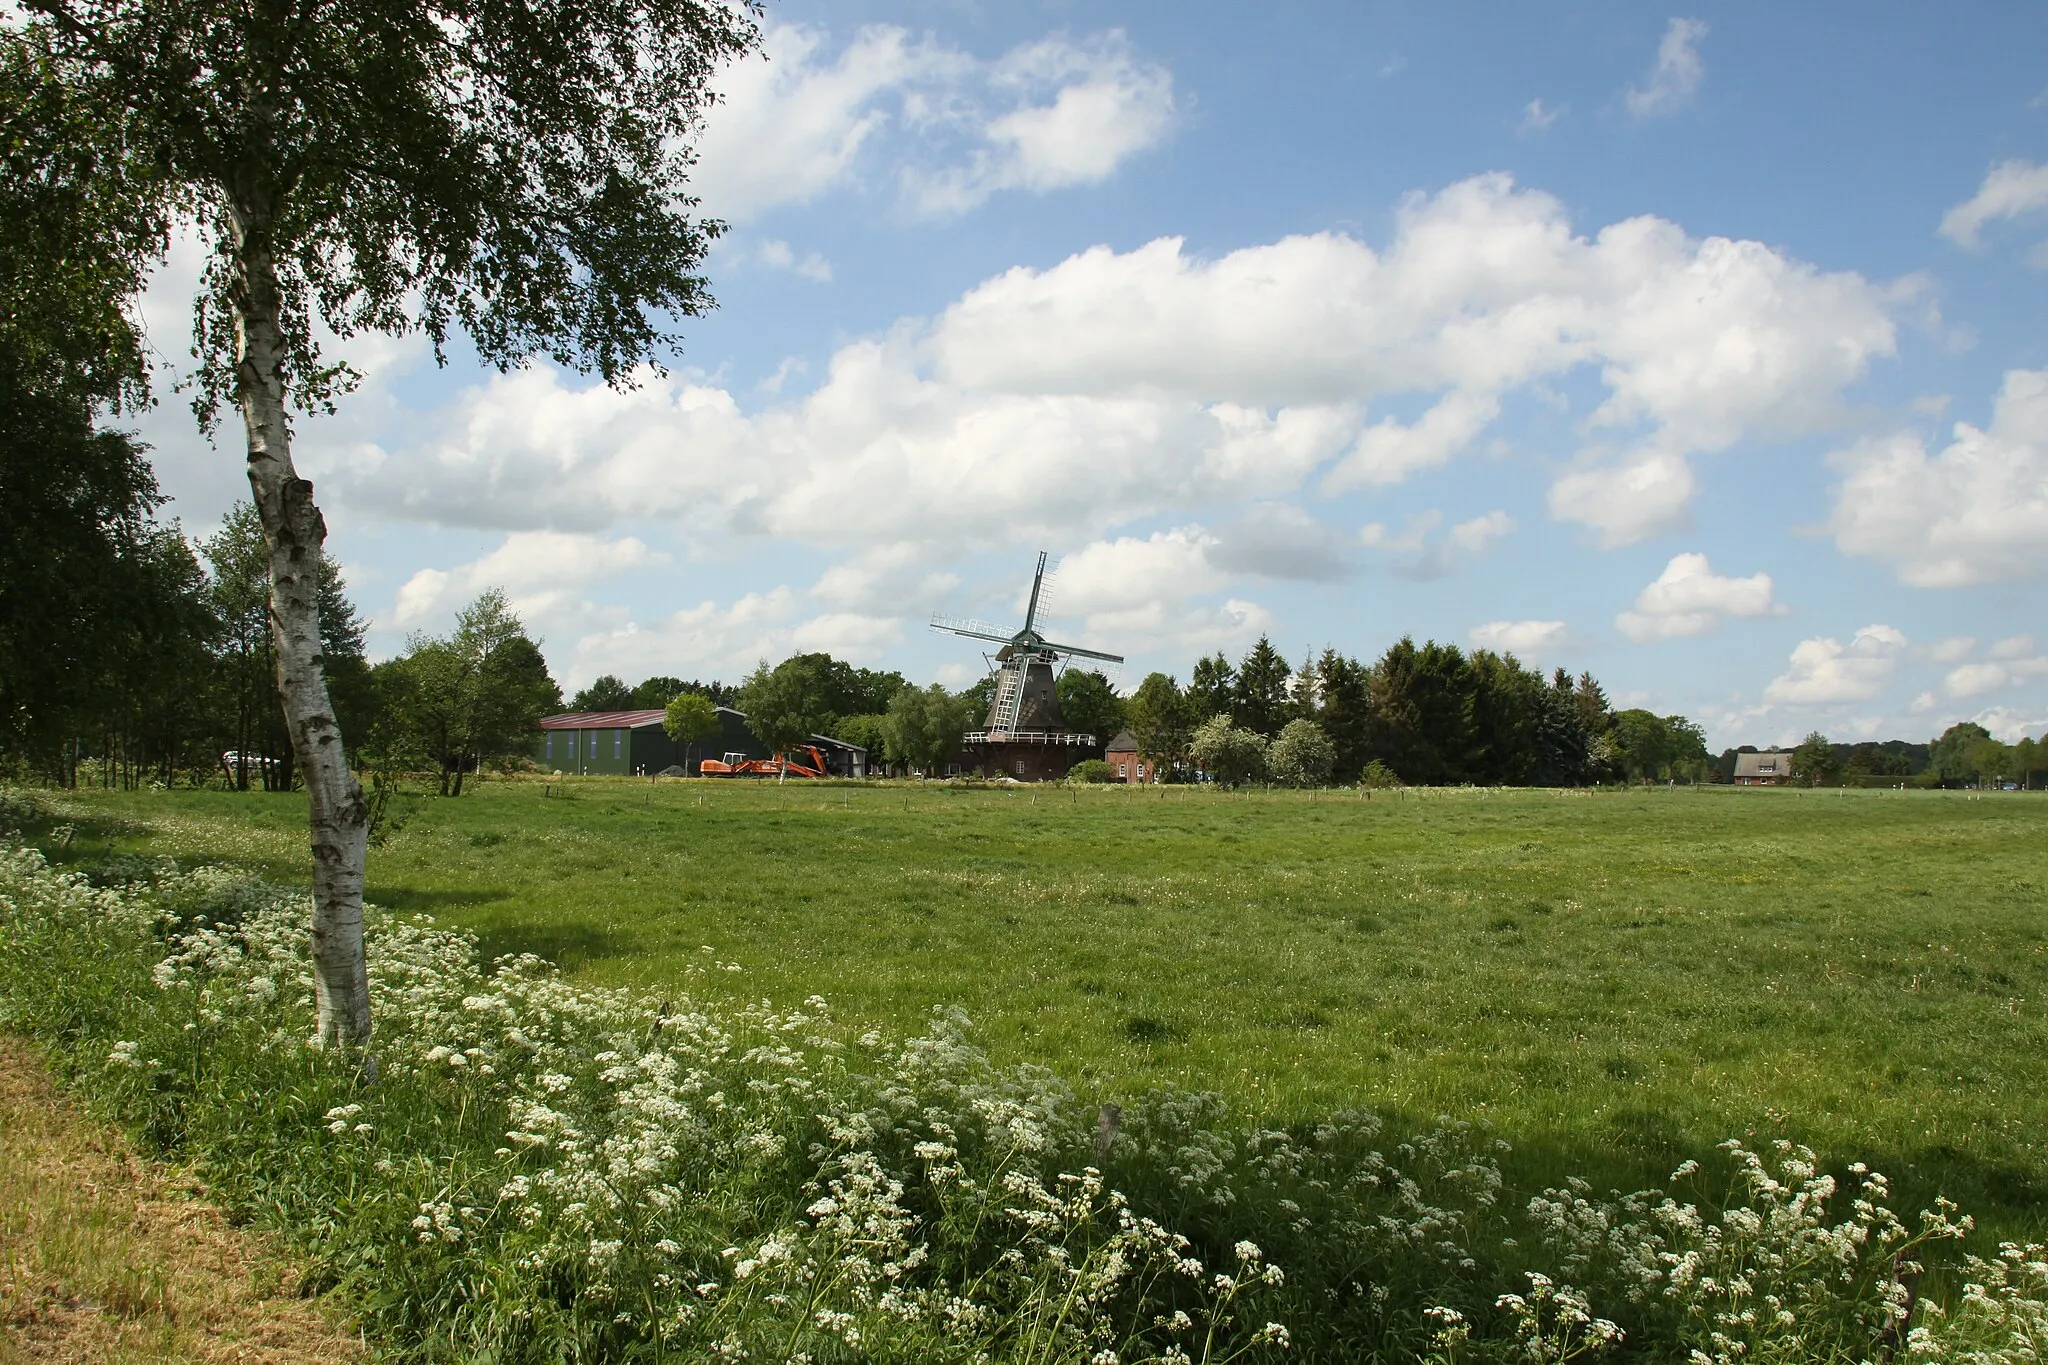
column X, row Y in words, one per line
column 782, row 765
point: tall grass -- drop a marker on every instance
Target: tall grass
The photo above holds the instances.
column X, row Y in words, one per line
column 547, row 1171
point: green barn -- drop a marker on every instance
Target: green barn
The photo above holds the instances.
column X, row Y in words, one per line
column 632, row 743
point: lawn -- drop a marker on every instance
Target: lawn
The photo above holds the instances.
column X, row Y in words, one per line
column 1613, row 981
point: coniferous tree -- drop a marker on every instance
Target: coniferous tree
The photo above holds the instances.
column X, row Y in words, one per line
column 1559, row 736
column 1210, row 688
column 1422, row 704
column 1344, row 711
column 1504, row 707
column 1259, row 700
column 1304, row 691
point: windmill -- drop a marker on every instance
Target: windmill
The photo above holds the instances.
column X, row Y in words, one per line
column 1026, row 707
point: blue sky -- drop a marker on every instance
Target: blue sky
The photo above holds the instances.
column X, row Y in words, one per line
column 1700, row 348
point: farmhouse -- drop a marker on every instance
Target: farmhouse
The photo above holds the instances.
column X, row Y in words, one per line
column 633, row 742
column 1126, row 762
column 1771, row 768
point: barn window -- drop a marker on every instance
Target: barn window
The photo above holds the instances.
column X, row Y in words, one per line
column 549, row 751
column 618, row 744
column 1020, row 767
column 1120, row 770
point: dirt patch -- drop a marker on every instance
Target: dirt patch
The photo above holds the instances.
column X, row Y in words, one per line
column 107, row 1258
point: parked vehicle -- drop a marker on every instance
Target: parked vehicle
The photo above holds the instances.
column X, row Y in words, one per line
column 739, row 765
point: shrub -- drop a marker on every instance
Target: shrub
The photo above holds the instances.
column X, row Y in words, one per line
column 1302, row 756
column 1230, row 755
column 1378, row 777
column 1091, row 770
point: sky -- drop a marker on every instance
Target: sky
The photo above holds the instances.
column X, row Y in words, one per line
column 1700, row 348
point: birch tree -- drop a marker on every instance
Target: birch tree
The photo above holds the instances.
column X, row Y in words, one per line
column 515, row 170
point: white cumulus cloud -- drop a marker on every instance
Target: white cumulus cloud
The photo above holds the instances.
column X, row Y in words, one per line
column 1529, row 639
column 710, row 640
column 1824, row 671
column 1628, row 501
column 1419, row 553
column 542, row 573
column 1969, row 513
column 2010, row 189
column 1081, row 111
column 2012, row 662
column 2014, row 647
column 1056, row 405
column 779, row 255
column 1689, row 598
column 1676, row 77
column 947, row 127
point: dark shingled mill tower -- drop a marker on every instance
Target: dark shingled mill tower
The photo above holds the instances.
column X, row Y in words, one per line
column 1023, row 735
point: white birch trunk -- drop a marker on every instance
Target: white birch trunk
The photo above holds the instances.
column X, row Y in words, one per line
column 293, row 533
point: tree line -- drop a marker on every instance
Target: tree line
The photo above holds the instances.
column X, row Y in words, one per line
column 1965, row 755
column 1425, row 714
column 1428, row 714
column 157, row 661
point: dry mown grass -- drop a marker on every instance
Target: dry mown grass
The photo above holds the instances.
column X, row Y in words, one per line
column 106, row 1258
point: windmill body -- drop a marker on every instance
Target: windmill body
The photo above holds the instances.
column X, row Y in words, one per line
column 1023, row 735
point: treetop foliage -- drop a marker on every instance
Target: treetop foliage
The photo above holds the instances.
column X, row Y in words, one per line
column 515, row 170
column 84, row 221
column 923, row 726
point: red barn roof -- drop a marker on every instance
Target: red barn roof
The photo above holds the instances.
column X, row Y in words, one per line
column 602, row 720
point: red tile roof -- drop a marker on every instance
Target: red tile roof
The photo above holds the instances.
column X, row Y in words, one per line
column 602, row 720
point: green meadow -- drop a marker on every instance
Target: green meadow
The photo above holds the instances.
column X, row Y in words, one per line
column 1613, row 981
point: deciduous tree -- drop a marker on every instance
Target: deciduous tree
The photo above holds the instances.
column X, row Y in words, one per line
column 1089, row 705
column 608, row 692
column 657, row 692
column 511, row 170
column 475, row 694
column 1229, row 754
column 867, row 732
column 924, row 725
column 1302, row 755
column 1950, row 756
column 689, row 718
column 783, row 706
column 1158, row 716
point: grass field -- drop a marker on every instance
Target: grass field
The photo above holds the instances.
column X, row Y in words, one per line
column 1613, row 981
